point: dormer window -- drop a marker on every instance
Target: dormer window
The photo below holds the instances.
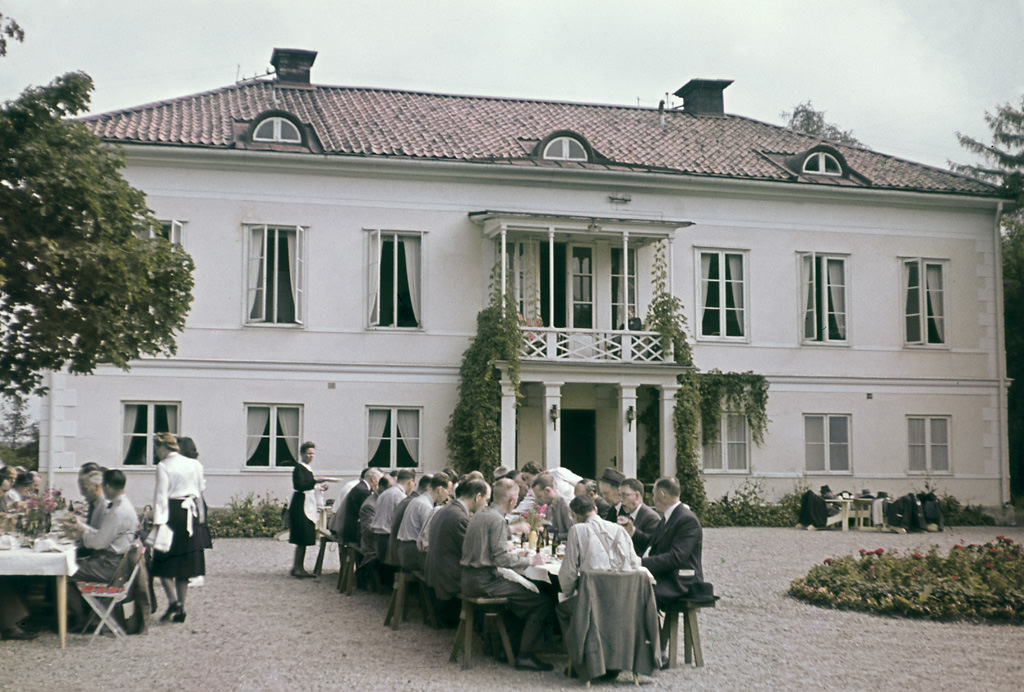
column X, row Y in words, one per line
column 565, row 149
column 822, row 163
column 277, row 129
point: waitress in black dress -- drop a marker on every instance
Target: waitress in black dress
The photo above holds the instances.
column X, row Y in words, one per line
column 304, row 509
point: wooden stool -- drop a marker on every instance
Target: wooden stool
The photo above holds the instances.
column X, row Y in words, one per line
column 491, row 609
column 691, row 631
column 426, row 601
column 320, row 555
column 347, row 573
column 397, row 605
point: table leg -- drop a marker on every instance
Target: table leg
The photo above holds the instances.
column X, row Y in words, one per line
column 62, row 609
column 846, row 516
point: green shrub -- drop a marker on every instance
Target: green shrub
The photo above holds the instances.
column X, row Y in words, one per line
column 977, row 582
column 955, row 514
column 247, row 517
column 747, row 507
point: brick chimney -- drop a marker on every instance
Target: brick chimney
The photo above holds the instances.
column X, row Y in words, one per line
column 292, row 65
column 703, row 96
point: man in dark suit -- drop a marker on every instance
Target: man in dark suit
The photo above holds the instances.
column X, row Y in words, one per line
column 608, row 486
column 354, row 501
column 674, row 545
column 446, row 533
column 632, row 509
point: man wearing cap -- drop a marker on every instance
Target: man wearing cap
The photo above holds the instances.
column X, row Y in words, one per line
column 608, row 487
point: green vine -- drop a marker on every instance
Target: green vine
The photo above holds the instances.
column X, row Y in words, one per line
column 474, row 430
column 738, row 392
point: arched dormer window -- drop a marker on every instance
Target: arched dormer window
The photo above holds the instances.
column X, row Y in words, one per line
column 565, row 148
column 277, row 129
column 822, row 163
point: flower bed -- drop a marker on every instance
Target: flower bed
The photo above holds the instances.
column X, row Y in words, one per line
column 984, row 582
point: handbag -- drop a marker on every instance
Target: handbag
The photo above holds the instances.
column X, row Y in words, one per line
column 161, row 537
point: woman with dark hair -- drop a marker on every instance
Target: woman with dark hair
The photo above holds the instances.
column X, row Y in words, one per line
column 179, row 487
column 304, row 509
column 187, row 448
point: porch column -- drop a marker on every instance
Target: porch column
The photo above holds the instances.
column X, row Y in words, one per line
column 551, row 279
column 668, row 429
column 627, row 428
column 504, row 266
column 552, row 418
column 508, row 423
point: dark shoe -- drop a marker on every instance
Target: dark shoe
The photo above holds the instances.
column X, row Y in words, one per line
column 16, row 632
column 172, row 610
column 302, row 574
column 571, row 672
column 664, row 662
column 179, row 616
column 531, row 662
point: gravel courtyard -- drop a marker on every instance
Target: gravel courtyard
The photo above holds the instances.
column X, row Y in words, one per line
column 252, row 627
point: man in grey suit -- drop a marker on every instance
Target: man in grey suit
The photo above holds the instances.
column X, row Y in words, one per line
column 446, row 533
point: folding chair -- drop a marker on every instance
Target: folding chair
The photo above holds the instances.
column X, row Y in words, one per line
column 103, row 598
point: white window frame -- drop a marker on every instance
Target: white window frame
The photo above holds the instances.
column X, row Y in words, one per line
column 823, row 158
column 632, row 286
column 827, row 443
column 720, row 451
column 924, row 300
column 278, row 123
column 258, row 264
column 560, row 149
column 375, row 242
column 172, row 229
column 393, row 439
column 127, row 437
column 523, row 265
column 272, row 437
column 720, row 256
column 808, row 270
column 929, row 446
column 570, row 276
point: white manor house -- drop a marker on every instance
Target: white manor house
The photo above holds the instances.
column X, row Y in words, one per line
column 344, row 241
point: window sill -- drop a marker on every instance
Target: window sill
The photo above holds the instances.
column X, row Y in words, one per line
column 738, row 340
column 726, row 472
column 274, row 325
column 374, row 328
column 827, row 344
column 946, row 474
column 927, row 347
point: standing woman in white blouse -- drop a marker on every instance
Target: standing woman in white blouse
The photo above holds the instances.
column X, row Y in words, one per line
column 179, row 488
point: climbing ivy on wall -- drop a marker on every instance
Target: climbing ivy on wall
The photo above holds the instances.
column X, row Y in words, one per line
column 474, row 429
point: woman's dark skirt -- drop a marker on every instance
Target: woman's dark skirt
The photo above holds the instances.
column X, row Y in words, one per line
column 185, row 559
column 301, row 531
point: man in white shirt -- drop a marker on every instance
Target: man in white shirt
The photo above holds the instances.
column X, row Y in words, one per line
column 409, row 556
column 593, row 544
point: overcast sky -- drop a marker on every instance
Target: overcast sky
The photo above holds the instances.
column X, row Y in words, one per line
column 904, row 76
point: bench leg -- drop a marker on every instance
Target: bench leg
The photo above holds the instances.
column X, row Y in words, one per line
column 505, row 642
column 670, row 636
column 467, row 646
column 691, row 639
column 320, row 557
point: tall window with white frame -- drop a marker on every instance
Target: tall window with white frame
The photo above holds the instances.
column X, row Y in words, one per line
column 274, row 276
column 581, row 280
column 623, row 290
column 823, row 280
column 171, row 229
column 924, row 300
column 393, row 437
column 272, row 433
column 394, row 279
column 722, row 299
column 731, row 452
column 827, row 443
column 141, row 421
column 928, row 437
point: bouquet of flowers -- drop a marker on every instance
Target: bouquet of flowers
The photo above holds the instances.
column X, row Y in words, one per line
column 535, row 518
column 35, row 512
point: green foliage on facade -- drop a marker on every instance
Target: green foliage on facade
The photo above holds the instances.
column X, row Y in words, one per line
column 474, row 430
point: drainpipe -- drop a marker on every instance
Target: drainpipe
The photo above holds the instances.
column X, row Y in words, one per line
column 1004, row 445
column 51, row 437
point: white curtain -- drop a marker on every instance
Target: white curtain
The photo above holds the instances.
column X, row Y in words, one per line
column 131, row 415
column 409, row 430
column 294, row 247
column 256, row 421
column 837, row 296
column 933, row 282
column 378, row 421
column 257, row 239
column 807, row 279
column 918, row 452
column 734, row 293
column 172, row 419
column 411, row 245
column 288, row 421
column 374, row 289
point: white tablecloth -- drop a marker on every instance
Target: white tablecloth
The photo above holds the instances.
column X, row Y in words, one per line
column 24, row 561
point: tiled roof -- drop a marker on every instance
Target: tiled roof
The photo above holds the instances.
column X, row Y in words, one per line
column 347, row 121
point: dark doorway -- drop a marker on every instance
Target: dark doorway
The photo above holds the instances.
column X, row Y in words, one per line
column 579, row 430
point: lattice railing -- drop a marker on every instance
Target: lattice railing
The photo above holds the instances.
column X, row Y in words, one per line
column 592, row 345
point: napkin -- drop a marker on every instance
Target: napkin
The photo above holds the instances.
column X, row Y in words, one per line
column 7, row 542
column 46, row 545
column 514, row 576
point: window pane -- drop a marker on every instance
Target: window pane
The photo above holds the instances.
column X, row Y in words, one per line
column 839, row 448
column 711, row 321
column 940, row 458
column 289, row 133
column 813, row 163
column 737, row 438
column 265, row 130
column 913, row 305
column 831, row 164
column 379, row 444
column 576, row 151
column 814, row 442
column 258, row 440
column 712, row 455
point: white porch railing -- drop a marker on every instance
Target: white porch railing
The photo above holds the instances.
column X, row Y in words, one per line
column 592, row 345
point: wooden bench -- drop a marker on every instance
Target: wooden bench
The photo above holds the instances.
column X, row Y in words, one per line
column 492, row 610
column 398, row 605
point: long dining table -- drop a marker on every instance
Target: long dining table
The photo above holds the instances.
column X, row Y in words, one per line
column 59, row 563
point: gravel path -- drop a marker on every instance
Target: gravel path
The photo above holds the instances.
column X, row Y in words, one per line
column 251, row 627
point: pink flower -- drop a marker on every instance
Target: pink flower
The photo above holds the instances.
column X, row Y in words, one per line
column 863, row 552
column 880, row 551
column 828, row 561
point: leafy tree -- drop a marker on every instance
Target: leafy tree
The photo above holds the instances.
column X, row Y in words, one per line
column 804, row 118
column 17, row 427
column 9, row 30
column 84, row 276
column 1002, row 163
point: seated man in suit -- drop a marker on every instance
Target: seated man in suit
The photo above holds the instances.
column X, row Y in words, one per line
column 415, row 518
column 447, row 531
column 673, row 545
column 353, row 502
column 422, row 487
column 109, row 541
column 632, row 508
column 608, row 487
column 484, row 550
column 557, row 513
